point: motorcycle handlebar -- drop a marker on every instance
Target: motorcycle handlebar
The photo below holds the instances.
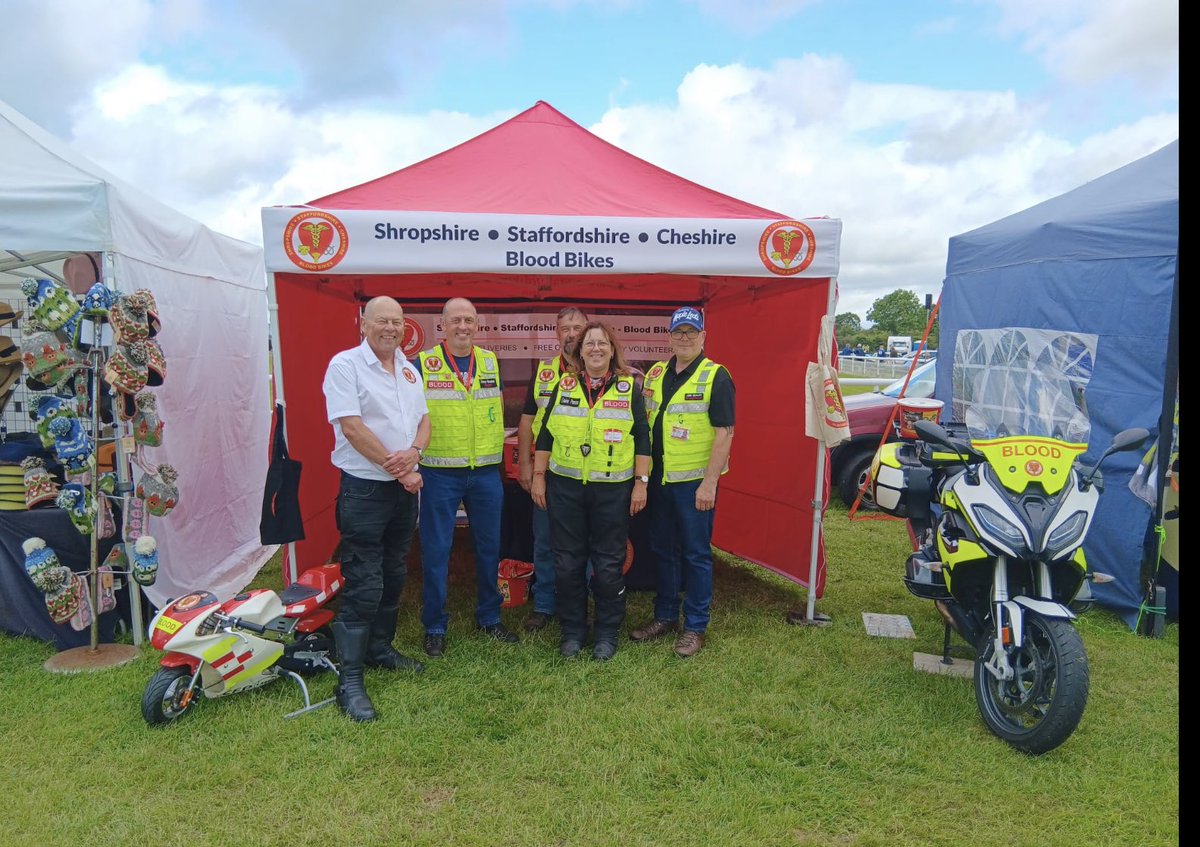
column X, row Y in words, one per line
column 238, row 623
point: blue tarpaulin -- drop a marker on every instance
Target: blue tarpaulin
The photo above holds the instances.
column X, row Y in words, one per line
column 1100, row 259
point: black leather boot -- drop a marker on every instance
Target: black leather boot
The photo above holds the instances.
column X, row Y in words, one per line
column 380, row 652
column 351, row 696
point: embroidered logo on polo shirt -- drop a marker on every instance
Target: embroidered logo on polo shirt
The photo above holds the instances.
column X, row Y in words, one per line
column 409, row 376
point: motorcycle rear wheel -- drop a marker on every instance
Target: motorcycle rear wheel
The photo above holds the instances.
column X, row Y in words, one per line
column 164, row 699
column 1039, row 708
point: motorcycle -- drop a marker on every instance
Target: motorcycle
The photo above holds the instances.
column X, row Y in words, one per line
column 998, row 519
column 246, row 642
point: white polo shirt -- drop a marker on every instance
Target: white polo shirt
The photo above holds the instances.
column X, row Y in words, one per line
column 390, row 406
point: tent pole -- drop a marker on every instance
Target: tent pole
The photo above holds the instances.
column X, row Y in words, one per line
column 818, row 493
column 290, row 574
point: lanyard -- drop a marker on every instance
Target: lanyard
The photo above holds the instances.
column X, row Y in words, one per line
column 470, row 377
column 587, row 388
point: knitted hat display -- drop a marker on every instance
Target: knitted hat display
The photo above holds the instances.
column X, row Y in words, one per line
column 80, row 506
column 98, row 300
column 147, row 426
column 159, row 492
column 49, row 361
column 145, row 560
column 47, row 408
column 156, row 363
column 64, row 604
column 134, row 317
column 72, row 445
column 116, row 560
column 40, row 485
column 107, row 589
column 42, row 565
column 50, row 304
column 127, row 372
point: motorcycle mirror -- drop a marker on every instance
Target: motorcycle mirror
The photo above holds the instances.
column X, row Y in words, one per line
column 1126, row 439
column 930, row 431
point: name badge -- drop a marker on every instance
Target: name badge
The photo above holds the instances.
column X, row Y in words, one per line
column 680, row 432
column 568, row 401
column 693, row 396
column 487, row 383
column 612, row 436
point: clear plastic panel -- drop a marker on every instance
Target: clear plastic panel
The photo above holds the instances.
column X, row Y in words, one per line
column 1022, row 381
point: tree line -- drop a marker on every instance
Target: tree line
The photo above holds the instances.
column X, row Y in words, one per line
column 898, row 313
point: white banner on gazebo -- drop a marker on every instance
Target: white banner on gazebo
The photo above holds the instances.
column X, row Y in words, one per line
column 318, row 241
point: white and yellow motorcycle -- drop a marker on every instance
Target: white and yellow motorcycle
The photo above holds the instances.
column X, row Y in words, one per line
column 998, row 520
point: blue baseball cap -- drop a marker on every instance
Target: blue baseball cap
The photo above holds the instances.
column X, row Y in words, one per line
column 686, row 315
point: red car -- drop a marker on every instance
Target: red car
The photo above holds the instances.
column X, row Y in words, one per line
column 850, row 462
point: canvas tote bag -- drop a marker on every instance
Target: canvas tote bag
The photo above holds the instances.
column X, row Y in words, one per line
column 281, row 522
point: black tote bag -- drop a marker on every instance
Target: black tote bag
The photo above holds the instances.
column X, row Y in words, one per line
column 281, row 522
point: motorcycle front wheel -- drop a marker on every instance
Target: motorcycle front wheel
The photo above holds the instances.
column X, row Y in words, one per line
column 166, row 697
column 1038, row 708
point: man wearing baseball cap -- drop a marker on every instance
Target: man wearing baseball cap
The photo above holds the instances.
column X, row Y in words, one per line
column 690, row 405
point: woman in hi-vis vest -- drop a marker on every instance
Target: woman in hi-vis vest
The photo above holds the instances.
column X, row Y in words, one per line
column 594, row 448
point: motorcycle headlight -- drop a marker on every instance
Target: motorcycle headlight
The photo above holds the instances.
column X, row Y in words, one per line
column 1067, row 534
column 999, row 526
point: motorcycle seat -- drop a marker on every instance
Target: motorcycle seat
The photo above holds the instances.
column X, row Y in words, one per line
column 312, row 590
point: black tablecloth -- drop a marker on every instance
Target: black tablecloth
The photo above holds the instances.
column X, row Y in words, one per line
column 23, row 607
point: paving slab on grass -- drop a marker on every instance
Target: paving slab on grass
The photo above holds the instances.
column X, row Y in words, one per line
column 929, row 663
column 888, row 626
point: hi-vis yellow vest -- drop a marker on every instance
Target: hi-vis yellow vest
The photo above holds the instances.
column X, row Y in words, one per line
column 466, row 427
column 547, row 376
column 605, row 429
column 687, row 434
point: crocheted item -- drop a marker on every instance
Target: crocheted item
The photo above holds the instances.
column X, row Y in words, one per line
column 42, row 565
column 147, row 426
column 107, row 588
column 49, row 407
column 98, row 300
column 127, row 372
column 145, row 560
column 72, row 445
column 48, row 360
column 116, row 560
column 134, row 317
column 80, row 506
column 64, row 603
column 50, row 304
column 40, row 485
column 159, row 492
column 156, row 363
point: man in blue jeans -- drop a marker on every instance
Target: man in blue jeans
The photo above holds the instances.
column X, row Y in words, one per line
column 461, row 465
column 690, row 404
column 374, row 401
column 569, row 328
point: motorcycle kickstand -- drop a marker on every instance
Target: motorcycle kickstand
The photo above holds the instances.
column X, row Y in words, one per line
column 946, row 660
column 309, row 706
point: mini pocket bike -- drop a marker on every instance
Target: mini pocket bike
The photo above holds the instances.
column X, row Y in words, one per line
column 257, row 637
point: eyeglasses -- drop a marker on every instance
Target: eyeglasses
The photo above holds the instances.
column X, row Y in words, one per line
column 593, row 344
column 685, row 334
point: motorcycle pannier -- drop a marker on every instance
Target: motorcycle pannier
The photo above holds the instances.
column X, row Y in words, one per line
column 899, row 482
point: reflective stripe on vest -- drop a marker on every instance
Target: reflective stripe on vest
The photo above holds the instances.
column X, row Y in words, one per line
column 467, row 427
column 606, row 428
column 687, row 433
column 547, row 378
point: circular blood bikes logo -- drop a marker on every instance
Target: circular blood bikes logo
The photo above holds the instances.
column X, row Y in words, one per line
column 787, row 247
column 315, row 241
column 568, row 382
column 414, row 338
column 1033, row 467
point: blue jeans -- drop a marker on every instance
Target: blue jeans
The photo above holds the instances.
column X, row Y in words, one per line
column 544, row 600
column 681, row 541
column 482, row 493
column 376, row 520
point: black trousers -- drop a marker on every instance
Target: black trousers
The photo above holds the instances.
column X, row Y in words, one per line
column 376, row 520
column 589, row 523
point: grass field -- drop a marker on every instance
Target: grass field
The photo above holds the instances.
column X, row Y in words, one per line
column 773, row 735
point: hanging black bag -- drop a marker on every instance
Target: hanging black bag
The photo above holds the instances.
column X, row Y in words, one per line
column 281, row 522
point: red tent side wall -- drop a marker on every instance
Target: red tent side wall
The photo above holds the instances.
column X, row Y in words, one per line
column 766, row 336
column 315, row 322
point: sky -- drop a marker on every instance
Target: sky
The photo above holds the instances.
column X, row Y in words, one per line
column 910, row 122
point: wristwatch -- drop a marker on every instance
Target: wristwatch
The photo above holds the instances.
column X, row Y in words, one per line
column 644, row 479
column 420, row 452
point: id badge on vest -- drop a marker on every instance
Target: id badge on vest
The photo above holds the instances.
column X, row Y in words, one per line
column 680, row 432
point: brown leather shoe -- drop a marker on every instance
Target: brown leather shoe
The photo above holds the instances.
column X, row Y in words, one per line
column 537, row 621
column 689, row 644
column 654, row 630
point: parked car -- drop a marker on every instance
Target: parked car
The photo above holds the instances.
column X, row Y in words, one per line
column 850, row 462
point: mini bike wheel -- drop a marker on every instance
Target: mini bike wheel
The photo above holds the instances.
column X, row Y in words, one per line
column 166, row 697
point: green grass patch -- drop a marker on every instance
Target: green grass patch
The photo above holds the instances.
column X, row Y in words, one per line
column 772, row 735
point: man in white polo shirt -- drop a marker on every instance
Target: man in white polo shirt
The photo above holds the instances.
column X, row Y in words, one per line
column 376, row 403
